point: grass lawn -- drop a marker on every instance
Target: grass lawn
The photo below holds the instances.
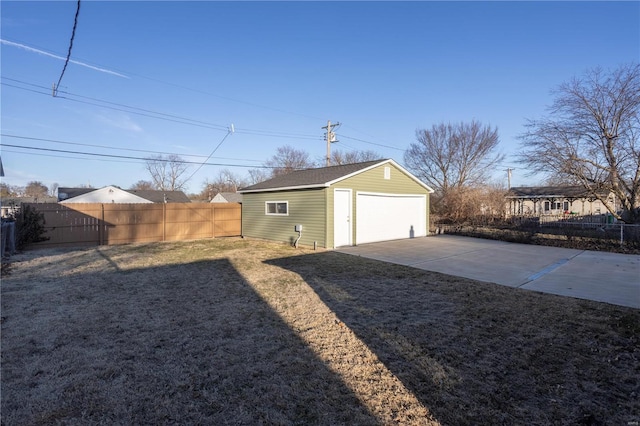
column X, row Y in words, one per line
column 232, row 331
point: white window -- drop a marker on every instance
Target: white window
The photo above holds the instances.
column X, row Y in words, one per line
column 387, row 173
column 277, row 208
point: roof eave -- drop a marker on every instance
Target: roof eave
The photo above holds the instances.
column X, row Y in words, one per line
column 284, row 188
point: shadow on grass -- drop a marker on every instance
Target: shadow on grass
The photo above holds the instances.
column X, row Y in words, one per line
column 484, row 354
column 187, row 344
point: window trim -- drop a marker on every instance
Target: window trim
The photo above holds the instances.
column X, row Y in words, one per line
column 266, row 208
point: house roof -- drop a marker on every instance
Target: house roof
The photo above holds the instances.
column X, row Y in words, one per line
column 108, row 194
column 159, row 196
column 566, row 191
column 65, row 193
column 321, row 177
column 151, row 195
column 230, row 197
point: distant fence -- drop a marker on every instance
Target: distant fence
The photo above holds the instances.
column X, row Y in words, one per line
column 598, row 227
column 107, row 224
column 558, row 220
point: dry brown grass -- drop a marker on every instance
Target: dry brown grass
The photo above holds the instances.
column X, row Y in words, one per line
column 232, row 331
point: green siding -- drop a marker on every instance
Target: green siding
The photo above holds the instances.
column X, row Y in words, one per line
column 306, row 207
column 373, row 181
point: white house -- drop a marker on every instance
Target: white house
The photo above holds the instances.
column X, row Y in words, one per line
column 108, row 194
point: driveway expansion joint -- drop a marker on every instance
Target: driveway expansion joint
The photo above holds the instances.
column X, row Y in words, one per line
column 548, row 269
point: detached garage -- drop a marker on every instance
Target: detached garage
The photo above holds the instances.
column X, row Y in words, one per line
column 338, row 206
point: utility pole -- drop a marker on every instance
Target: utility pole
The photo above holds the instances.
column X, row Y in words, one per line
column 331, row 138
column 509, row 170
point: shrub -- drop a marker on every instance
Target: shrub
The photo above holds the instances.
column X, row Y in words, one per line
column 29, row 227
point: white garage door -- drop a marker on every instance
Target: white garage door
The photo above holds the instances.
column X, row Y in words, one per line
column 381, row 217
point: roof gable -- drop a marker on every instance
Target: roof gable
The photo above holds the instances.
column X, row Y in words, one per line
column 108, row 194
column 227, row 197
column 322, row 177
column 153, row 196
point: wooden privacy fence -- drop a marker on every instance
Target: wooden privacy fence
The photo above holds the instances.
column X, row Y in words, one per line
column 105, row 224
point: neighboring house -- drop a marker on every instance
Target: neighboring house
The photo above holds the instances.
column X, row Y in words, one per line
column 113, row 194
column 9, row 206
column 227, row 197
column 555, row 200
column 338, row 206
column 161, row 196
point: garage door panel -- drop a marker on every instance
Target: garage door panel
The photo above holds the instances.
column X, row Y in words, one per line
column 382, row 217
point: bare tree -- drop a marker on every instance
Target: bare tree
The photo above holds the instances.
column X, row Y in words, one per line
column 258, row 175
column 167, row 172
column 226, row 181
column 143, row 185
column 10, row 190
column 350, row 157
column 454, row 155
column 53, row 189
column 591, row 136
column 36, row 189
column 288, row 159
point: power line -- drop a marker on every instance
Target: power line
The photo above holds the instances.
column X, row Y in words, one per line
column 371, row 143
column 25, row 89
column 127, row 157
column 180, row 119
column 70, row 157
column 212, row 152
column 200, row 91
column 119, row 149
column 66, row 62
column 154, row 114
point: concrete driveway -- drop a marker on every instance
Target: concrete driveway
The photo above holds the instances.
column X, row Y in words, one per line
column 603, row 277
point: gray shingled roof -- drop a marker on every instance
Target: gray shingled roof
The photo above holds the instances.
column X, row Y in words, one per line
column 158, row 196
column 66, row 193
column 549, row 191
column 232, row 197
column 311, row 177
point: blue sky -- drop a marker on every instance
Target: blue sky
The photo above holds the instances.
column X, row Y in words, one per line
column 278, row 71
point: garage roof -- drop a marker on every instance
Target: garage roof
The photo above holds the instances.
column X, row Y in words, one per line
column 321, row 177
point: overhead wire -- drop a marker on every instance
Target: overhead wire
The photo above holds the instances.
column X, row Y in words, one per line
column 70, row 157
column 73, row 36
column 153, row 114
column 183, row 87
column 370, row 143
column 241, row 130
column 189, row 121
column 128, row 157
column 117, row 148
column 212, row 152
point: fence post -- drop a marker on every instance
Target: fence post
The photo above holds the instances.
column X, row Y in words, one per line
column 164, row 221
column 101, row 227
column 621, row 233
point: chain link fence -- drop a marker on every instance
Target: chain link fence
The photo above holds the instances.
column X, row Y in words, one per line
column 598, row 232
